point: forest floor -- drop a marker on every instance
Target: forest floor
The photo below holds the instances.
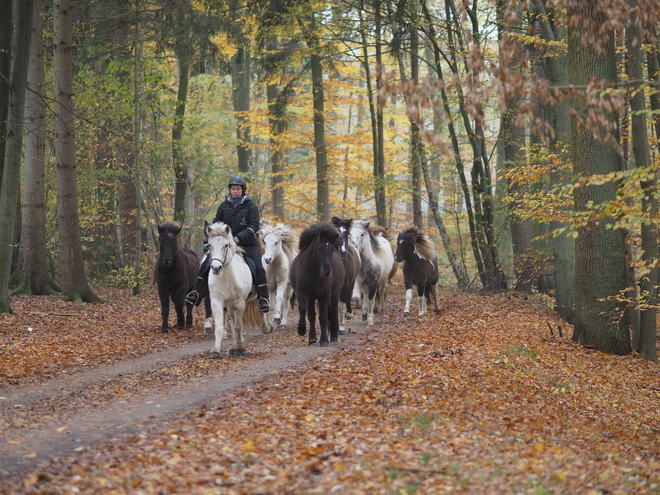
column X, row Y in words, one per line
column 486, row 396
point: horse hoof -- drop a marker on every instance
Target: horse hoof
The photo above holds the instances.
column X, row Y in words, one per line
column 302, row 332
column 406, row 313
column 278, row 321
column 214, row 355
column 342, row 332
column 165, row 330
column 189, row 325
column 208, row 330
column 364, row 317
column 370, row 323
column 237, row 352
column 312, row 341
column 324, row 344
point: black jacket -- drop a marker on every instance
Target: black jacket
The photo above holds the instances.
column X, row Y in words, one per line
column 242, row 218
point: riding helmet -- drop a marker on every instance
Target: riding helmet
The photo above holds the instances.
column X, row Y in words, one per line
column 238, row 181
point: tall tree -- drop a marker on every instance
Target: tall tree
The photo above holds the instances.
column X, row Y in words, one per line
column 600, row 264
column 183, row 50
column 649, row 280
column 10, row 185
column 6, row 29
column 73, row 280
column 30, row 275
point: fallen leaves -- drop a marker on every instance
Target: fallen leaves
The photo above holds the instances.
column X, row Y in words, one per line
column 480, row 398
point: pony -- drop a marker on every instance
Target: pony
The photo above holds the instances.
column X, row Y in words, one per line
column 317, row 274
column 280, row 247
column 351, row 259
column 420, row 268
column 231, row 288
column 380, row 304
column 376, row 264
column 175, row 274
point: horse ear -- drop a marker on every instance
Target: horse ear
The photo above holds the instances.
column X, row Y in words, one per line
column 366, row 225
column 160, row 230
column 335, row 220
column 227, row 229
column 176, row 232
column 206, row 223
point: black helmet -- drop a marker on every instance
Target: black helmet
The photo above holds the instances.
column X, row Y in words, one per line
column 237, row 181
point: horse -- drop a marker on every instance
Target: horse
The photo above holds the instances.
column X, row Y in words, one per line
column 231, row 287
column 175, row 274
column 420, row 268
column 280, row 247
column 317, row 274
column 380, row 304
column 351, row 259
column 376, row 264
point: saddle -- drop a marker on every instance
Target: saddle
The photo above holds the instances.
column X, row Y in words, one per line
column 201, row 287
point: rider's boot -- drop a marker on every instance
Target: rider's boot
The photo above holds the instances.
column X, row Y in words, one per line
column 262, row 298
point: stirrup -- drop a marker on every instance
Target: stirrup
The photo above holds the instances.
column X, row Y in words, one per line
column 262, row 302
column 192, row 297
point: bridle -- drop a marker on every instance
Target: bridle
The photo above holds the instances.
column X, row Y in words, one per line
column 224, row 262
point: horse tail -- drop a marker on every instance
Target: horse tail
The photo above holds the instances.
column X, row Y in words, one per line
column 252, row 317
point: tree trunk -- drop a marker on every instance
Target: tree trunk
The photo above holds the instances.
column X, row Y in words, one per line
column 600, row 265
column 6, row 29
column 648, row 290
column 31, row 277
column 74, row 283
column 240, row 88
column 182, row 49
column 11, row 173
column 379, row 162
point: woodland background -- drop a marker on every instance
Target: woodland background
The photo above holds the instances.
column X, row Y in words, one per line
column 522, row 135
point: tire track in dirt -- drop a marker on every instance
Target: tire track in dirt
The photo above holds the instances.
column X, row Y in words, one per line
column 27, row 447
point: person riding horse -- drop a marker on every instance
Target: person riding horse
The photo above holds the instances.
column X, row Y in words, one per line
column 242, row 215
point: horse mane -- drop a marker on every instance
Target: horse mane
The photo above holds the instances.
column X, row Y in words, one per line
column 422, row 243
column 319, row 229
column 375, row 245
column 170, row 226
column 287, row 235
column 379, row 230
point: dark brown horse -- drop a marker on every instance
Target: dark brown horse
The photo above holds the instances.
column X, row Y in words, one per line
column 175, row 274
column 420, row 268
column 317, row 274
column 351, row 259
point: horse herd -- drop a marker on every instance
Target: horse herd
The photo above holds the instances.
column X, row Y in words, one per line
column 328, row 269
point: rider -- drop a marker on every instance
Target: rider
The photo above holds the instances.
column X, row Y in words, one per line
column 242, row 215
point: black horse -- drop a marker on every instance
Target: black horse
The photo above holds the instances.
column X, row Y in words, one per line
column 351, row 259
column 175, row 274
column 317, row 274
column 420, row 268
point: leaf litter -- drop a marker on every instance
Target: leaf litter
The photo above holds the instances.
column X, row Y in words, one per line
column 482, row 397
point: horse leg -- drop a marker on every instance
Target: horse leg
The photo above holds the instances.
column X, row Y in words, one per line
column 278, row 297
column 324, row 308
column 178, row 301
column 311, row 317
column 369, row 306
column 189, row 314
column 286, row 305
column 421, row 298
column 333, row 319
column 238, row 346
column 217, row 307
column 434, row 294
column 406, row 310
column 208, row 320
column 302, row 311
column 342, row 318
column 164, row 309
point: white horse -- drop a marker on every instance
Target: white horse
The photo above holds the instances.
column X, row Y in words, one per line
column 376, row 264
column 231, row 288
column 280, row 246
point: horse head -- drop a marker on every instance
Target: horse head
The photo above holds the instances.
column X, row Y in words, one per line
column 168, row 243
column 321, row 238
column 344, row 228
column 221, row 245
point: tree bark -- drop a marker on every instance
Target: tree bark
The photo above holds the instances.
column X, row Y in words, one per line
column 11, row 173
column 31, row 277
column 600, row 264
column 74, row 282
column 240, row 88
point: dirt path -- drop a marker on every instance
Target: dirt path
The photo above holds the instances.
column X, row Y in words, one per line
column 68, row 414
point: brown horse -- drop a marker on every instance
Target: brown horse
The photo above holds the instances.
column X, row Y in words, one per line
column 175, row 274
column 351, row 259
column 420, row 268
column 317, row 274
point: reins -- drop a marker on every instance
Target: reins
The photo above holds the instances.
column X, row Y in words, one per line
column 224, row 263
